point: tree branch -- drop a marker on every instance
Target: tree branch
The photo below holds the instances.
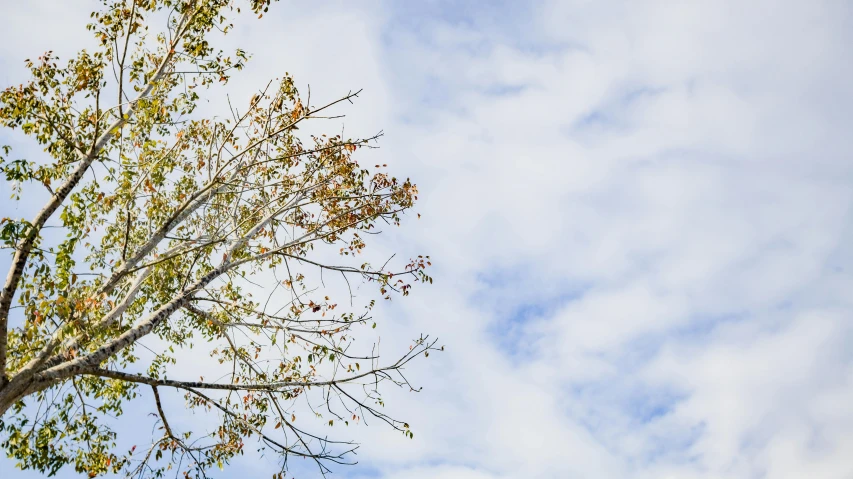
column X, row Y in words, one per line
column 22, row 253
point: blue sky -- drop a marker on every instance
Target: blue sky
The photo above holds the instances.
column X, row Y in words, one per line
column 639, row 214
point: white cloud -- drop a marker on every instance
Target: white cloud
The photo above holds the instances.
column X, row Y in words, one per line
column 639, row 213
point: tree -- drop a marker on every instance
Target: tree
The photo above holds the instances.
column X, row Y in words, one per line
column 157, row 228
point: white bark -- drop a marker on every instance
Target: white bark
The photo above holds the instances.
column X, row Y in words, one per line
column 22, row 253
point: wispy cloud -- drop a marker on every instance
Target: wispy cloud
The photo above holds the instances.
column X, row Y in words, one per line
column 640, row 215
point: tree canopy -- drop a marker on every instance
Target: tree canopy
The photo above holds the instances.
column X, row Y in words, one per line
column 162, row 230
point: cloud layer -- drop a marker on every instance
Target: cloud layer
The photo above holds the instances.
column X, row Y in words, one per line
column 639, row 214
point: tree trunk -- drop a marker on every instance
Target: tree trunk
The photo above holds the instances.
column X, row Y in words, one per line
column 13, row 391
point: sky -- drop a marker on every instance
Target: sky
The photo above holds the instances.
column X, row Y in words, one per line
column 639, row 215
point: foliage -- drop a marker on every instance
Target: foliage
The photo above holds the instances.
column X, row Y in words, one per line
column 162, row 223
